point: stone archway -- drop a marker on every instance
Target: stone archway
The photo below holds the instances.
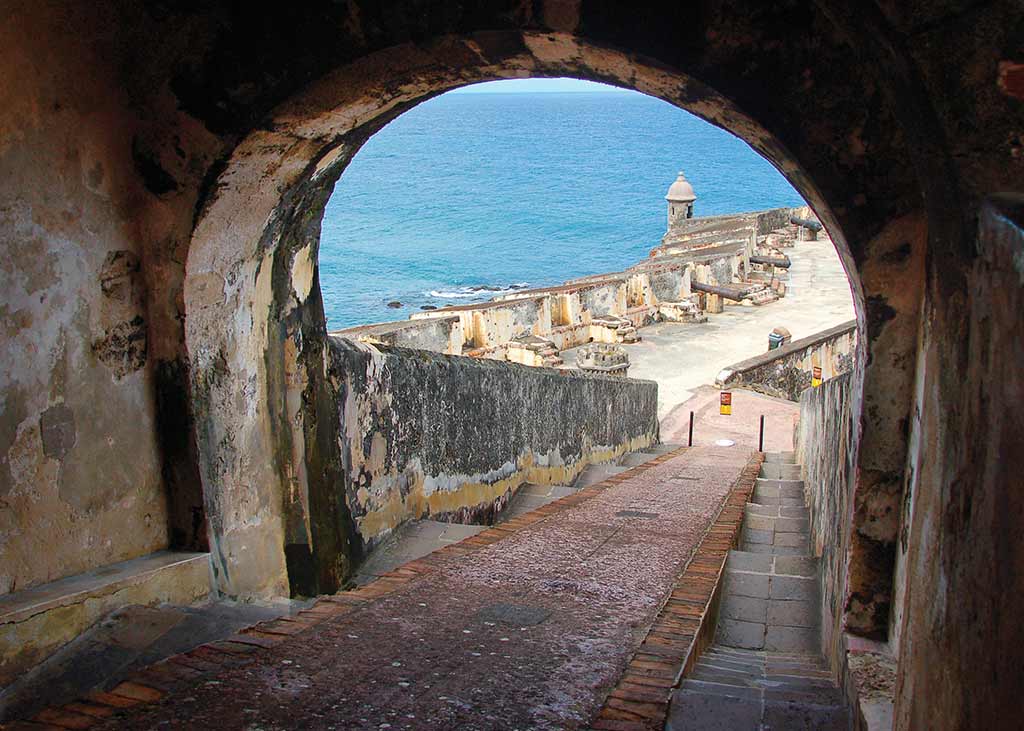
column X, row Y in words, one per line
column 266, row 420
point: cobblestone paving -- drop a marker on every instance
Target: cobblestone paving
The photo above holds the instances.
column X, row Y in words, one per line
column 528, row 632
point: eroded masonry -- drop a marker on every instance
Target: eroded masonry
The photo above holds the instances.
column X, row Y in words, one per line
column 176, row 421
column 700, row 264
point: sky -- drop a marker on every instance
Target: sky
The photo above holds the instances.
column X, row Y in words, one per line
column 533, row 86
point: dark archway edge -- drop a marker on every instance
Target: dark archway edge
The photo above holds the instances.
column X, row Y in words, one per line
column 300, row 150
column 893, row 120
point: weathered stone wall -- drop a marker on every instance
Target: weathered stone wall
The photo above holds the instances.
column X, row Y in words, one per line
column 962, row 586
column 787, row 371
column 439, row 334
column 81, row 482
column 826, row 446
column 561, row 314
column 426, row 434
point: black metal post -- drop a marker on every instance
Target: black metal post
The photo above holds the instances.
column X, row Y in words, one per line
column 691, row 430
column 760, row 439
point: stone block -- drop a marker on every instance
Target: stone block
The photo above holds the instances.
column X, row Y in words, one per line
column 744, row 584
column 737, row 633
column 745, row 608
column 791, row 540
column 796, row 565
column 784, row 714
column 792, row 525
column 792, row 613
column 747, row 561
column 757, row 536
column 791, row 639
column 793, row 588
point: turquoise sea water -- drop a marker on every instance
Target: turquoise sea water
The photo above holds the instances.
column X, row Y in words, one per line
column 468, row 193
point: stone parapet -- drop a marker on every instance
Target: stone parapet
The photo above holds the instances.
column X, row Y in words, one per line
column 789, row 369
column 452, row 438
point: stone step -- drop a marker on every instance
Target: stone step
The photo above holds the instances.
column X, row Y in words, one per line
column 776, row 544
column 530, row 497
column 814, row 681
column 661, row 448
column 784, row 502
column 635, row 459
column 764, row 669
column 781, row 471
column 777, row 511
column 780, row 458
column 593, row 474
column 779, row 488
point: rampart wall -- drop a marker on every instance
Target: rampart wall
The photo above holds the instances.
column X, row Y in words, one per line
column 787, row 371
column 428, row 434
column 825, row 445
column 570, row 314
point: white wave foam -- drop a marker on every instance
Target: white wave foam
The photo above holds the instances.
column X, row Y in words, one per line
column 477, row 291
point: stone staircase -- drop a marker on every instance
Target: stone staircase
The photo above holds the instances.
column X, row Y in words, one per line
column 530, row 497
column 765, row 670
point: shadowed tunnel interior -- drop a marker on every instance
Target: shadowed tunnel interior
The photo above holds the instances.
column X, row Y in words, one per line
column 166, row 373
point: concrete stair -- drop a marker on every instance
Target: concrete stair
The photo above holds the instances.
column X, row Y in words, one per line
column 765, row 669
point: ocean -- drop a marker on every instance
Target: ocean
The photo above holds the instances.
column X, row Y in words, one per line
column 467, row 195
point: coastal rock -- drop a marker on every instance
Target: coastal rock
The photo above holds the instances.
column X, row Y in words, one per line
column 394, row 304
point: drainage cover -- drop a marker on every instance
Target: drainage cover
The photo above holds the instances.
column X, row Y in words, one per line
column 636, row 514
column 519, row 615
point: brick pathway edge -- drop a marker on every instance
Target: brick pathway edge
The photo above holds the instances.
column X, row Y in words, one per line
column 684, row 627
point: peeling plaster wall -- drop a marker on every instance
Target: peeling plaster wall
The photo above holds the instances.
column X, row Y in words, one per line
column 452, row 437
column 81, row 481
column 787, row 371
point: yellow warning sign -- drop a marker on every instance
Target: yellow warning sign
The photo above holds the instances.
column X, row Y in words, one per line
column 816, row 376
column 725, row 403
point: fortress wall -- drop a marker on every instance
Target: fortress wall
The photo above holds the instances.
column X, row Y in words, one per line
column 425, row 434
column 440, row 334
column 667, row 286
column 82, row 467
column 826, row 448
column 560, row 314
column 786, row 371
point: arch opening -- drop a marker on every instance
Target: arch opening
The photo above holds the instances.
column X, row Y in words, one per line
column 252, row 266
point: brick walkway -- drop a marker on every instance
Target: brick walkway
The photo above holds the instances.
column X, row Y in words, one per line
column 526, row 626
